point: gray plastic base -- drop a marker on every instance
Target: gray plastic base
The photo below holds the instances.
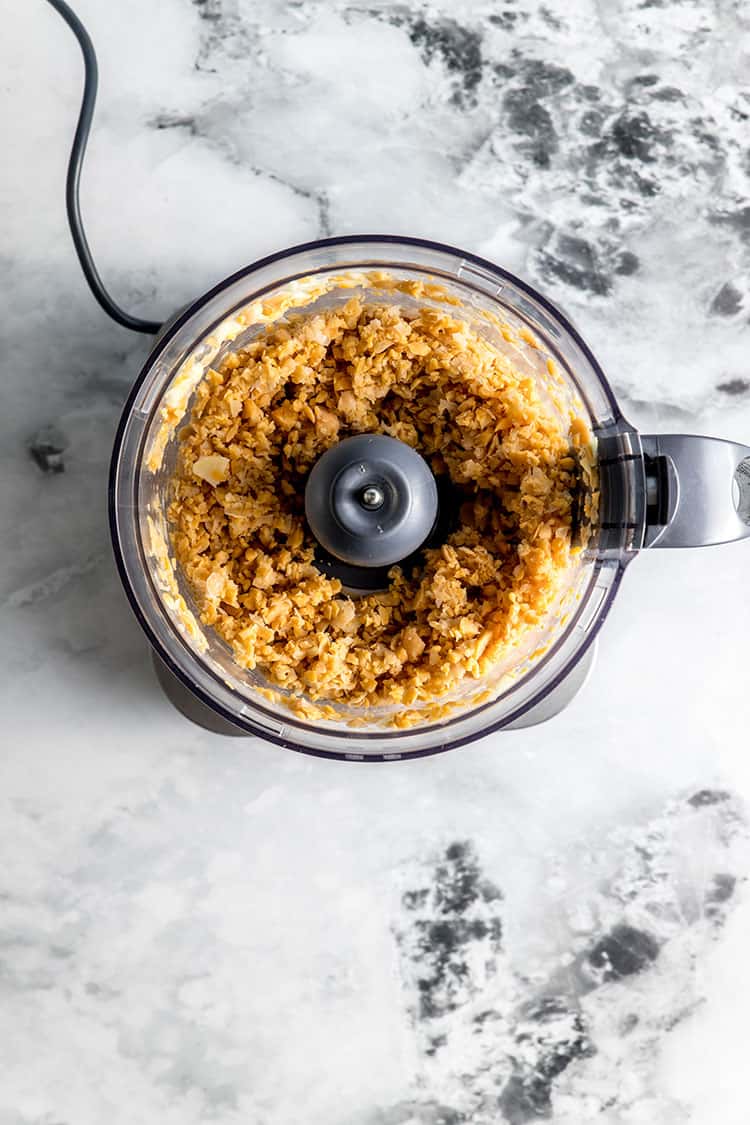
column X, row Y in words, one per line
column 562, row 695
column 192, row 707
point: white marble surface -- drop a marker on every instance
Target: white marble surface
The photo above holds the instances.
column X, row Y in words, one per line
column 196, row 930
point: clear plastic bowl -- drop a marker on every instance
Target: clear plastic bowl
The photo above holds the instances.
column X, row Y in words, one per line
column 144, row 458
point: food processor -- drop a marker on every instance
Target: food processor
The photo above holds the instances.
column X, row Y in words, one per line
column 373, row 504
column 650, row 491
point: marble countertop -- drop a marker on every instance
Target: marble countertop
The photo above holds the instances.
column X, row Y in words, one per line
column 549, row 924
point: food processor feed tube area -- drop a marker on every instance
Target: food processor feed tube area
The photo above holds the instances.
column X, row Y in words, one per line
column 371, row 501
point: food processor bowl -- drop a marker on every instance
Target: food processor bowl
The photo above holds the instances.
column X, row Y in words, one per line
column 667, row 490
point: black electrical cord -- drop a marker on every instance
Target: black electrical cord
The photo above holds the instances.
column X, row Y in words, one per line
column 77, row 153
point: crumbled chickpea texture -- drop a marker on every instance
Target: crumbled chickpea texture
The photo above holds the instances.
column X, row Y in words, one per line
column 258, row 425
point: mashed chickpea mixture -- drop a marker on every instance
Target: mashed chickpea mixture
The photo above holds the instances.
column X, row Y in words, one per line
column 259, row 424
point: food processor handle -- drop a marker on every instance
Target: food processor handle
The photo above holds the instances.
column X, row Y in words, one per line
column 698, row 490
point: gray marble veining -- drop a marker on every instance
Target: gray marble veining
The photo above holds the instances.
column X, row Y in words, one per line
column 548, row 925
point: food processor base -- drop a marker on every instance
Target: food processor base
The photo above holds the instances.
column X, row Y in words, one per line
column 203, row 716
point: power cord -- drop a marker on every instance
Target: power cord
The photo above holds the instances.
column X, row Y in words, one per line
column 77, row 153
